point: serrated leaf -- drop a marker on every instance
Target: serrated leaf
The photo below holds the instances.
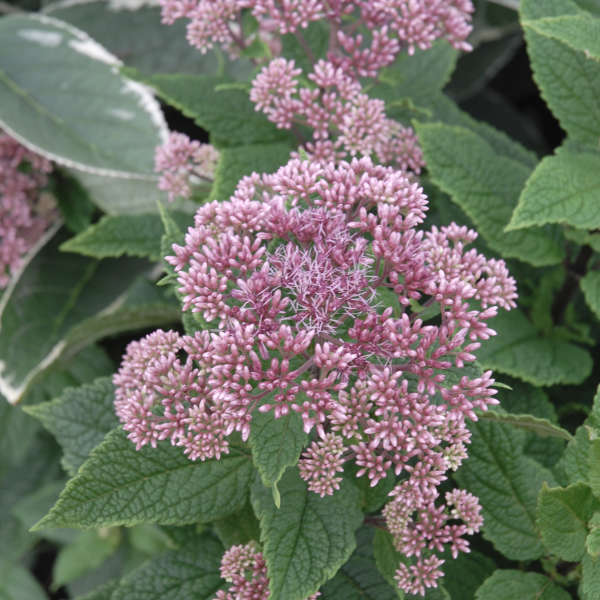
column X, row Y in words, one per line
column 119, row 485
column 308, row 539
column 225, row 112
column 114, row 236
column 358, row 579
column 590, row 580
column 520, row 351
column 562, row 189
column 507, row 484
column 276, row 444
column 96, row 120
column 58, row 296
column 86, row 553
column 541, row 427
column 590, row 285
column 79, row 419
column 103, row 592
column 569, row 81
column 592, row 541
column 580, row 32
column 16, row 583
column 387, row 558
column 486, row 186
column 562, row 516
column 191, row 571
column 236, row 162
column 508, row 584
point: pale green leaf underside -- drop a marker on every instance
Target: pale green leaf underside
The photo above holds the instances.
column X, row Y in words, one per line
column 508, row 584
column 276, row 444
column 569, row 81
column 562, row 189
column 506, row 483
column 119, row 485
column 309, row 538
column 590, row 285
column 17, row 583
column 191, row 571
column 94, row 119
column 486, row 186
column 580, row 32
column 540, row 426
column 519, row 350
column 79, row 419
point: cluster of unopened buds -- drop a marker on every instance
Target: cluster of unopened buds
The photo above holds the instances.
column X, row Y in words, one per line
column 25, row 212
column 309, row 286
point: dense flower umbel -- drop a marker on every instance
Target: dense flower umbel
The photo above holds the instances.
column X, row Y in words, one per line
column 366, row 35
column 244, row 568
column 183, row 163
column 24, row 212
column 313, row 280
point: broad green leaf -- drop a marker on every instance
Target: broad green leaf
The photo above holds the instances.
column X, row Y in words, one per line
column 593, row 473
column 464, row 574
column 486, row 186
column 119, row 485
column 509, row 584
column 592, row 541
column 308, row 539
column 520, row 351
column 191, row 571
column 17, row 583
column 149, row 539
column 114, row 236
column 569, row 81
column 79, row 419
column 103, row 592
column 224, row 111
column 541, row 427
column 238, row 528
column 86, row 553
column 575, row 460
column 359, row 579
column 315, row 37
column 590, row 581
column 276, row 444
column 64, row 302
column 562, row 189
column 579, row 32
column 236, row 162
column 17, row 430
column 154, row 48
column 562, row 517
column 95, row 120
column 387, row 558
column 73, row 201
column 590, row 285
column 507, row 484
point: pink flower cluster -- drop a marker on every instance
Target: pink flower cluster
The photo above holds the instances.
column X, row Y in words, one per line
column 24, row 212
column 184, row 163
column 366, row 35
column 315, row 278
column 343, row 119
column 244, row 568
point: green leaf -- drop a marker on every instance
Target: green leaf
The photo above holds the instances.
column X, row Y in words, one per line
column 96, row 120
column 103, row 592
column 154, row 48
column 507, row 484
column 114, row 236
column 520, row 351
column 562, row 516
column 234, row 163
column 16, row 583
column 359, row 579
column 593, row 473
column 17, row 430
column 86, row 553
column 276, row 444
column 464, row 574
column 387, row 558
column 58, row 305
column 316, row 37
column 238, row 528
column 508, row 584
column 308, row 539
column 590, row 285
column 486, row 186
column 569, row 81
column 73, row 201
column 191, row 571
column 590, row 581
column 225, row 112
column 541, row 427
column 592, row 541
column 119, row 485
column 562, row 189
column 579, row 32
column 79, row 419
